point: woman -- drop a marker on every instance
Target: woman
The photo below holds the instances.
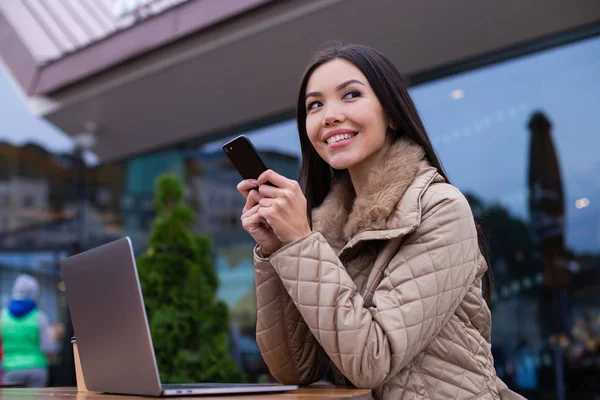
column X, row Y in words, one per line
column 374, row 264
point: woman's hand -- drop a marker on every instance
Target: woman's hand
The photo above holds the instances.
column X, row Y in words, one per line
column 283, row 207
column 252, row 223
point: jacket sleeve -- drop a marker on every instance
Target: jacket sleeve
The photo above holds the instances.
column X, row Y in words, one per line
column 288, row 347
column 47, row 345
column 421, row 288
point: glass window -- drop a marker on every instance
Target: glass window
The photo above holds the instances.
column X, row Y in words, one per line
column 212, row 182
column 28, row 201
column 519, row 138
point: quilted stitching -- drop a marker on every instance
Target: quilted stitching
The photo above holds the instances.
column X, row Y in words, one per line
column 424, row 284
column 287, row 345
column 404, row 334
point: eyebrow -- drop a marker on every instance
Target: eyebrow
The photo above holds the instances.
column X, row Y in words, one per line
column 337, row 89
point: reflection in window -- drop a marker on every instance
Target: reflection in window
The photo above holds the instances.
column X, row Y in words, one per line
column 28, row 201
column 519, row 138
column 527, row 161
column 519, row 142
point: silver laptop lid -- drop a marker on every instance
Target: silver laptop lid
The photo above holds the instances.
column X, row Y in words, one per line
column 109, row 320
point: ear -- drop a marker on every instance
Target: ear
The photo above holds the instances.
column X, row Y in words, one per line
column 392, row 129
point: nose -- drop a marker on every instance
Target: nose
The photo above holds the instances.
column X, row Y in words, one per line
column 333, row 118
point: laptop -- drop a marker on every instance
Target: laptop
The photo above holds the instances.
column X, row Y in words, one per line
column 113, row 337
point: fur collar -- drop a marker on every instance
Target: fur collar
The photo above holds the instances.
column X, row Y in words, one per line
column 341, row 216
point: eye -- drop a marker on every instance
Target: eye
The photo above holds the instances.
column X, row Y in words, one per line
column 314, row 105
column 352, row 95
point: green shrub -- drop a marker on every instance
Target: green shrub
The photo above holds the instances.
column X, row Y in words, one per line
column 189, row 325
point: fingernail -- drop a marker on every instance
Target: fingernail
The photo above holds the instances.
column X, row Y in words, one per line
column 254, row 182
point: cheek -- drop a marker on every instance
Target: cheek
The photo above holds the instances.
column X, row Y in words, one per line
column 312, row 129
column 377, row 125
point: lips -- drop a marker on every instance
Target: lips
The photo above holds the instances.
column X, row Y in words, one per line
column 337, row 132
column 339, row 138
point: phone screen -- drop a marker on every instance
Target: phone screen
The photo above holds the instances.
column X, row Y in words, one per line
column 244, row 157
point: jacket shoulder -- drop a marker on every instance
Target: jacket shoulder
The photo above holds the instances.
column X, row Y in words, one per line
column 441, row 194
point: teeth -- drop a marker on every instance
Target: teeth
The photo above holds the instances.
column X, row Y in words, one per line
column 338, row 138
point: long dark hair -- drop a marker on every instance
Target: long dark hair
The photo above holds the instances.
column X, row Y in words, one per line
column 316, row 176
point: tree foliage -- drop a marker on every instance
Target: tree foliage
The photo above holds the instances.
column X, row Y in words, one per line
column 189, row 325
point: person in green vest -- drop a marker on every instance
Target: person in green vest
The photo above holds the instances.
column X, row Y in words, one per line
column 26, row 336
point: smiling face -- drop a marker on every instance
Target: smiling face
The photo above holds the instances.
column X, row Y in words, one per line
column 345, row 121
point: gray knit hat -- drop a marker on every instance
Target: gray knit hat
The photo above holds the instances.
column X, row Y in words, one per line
column 26, row 287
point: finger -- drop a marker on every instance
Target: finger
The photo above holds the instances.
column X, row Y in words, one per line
column 252, row 217
column 268, row 202
column 252, row 199
column 276, row 179
column 251, row 211
column 245, row 186
column 251, row 221
column 255, row 196
column 265, row 214
column 270, row 191
column 249, row 204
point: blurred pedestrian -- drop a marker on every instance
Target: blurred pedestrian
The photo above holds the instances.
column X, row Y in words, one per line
column 26, row 336
column 526, row 365
column 1, row 361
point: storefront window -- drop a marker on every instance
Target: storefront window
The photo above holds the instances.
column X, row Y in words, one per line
column 211, row 182
column 519, row 138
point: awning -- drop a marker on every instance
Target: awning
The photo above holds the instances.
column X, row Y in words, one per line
column 52, row 44
column 160, row 82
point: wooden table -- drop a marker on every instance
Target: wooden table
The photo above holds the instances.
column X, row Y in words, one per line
column 304, row 393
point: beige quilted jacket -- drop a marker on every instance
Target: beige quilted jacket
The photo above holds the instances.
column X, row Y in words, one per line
column 387, row 288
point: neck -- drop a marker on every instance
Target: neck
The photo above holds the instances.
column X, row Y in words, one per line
column 343, row 214
column 359, row 179
column 360, row 173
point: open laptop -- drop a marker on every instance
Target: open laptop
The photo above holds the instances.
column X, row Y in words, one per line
column 111, row 326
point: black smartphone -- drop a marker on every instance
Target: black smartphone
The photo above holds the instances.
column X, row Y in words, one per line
column 244, row 157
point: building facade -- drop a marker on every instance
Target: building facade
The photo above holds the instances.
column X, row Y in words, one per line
column 510, row 105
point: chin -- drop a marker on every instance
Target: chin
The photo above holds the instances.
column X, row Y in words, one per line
column 341, row 163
